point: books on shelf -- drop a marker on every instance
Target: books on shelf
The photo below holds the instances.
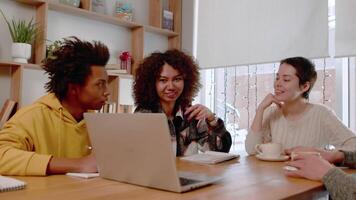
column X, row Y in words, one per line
column 210, row 157
column 7, row 110
column 114, row 69
column 9, row 184
column 167, row 22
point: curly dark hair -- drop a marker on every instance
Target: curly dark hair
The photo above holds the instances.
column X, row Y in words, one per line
column 71, row 63
column 149, row 70
column 305, row 72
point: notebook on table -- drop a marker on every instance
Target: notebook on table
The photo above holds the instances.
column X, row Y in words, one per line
column 9, row 184
column 210, row 157
column 137, row 149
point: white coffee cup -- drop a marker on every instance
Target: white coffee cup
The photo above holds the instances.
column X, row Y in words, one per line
column 269, row 150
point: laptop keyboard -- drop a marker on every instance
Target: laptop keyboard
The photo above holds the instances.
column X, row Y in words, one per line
column 186, row 181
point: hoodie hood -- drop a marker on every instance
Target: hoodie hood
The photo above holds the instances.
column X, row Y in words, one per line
column 38, row 132
column 53, row 103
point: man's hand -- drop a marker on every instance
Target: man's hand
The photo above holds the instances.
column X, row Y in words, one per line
column 309, row 166
column 64, row 165
column 330, row 156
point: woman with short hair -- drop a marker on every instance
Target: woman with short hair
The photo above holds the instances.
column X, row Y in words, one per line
column 292, row 120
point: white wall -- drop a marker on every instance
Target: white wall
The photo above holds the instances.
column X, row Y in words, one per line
column 189, row 18
column 32, row 85
column 154, row 42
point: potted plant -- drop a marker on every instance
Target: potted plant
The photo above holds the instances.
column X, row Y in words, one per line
column 23, row 35
column 52, row 47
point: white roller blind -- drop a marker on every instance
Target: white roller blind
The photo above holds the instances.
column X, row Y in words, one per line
column 235, row 32
column 345, row 28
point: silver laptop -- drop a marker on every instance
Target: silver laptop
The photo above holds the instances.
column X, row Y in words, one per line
column 137, row 149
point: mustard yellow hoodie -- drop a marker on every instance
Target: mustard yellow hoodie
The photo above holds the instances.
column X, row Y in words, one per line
column 38, row 132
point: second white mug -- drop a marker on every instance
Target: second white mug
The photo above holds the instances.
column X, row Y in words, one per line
column 270, row 150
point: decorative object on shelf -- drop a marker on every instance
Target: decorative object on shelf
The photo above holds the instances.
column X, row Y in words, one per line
column 74, row 3
column 125, row 61
column 99, row 6
column 124, row 11
column 23, row 34
column 21, row 52
column 167, row 22
column 51, row 48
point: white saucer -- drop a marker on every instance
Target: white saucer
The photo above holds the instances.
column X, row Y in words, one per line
column 290, row 168
column 280, row 158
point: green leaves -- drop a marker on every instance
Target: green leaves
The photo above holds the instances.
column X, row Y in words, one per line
column 50, row 49
column 22, row 31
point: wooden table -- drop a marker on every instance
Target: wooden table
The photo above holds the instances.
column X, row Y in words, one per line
column 247, row 178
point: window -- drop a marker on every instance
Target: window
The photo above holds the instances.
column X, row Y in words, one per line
column 234, row 93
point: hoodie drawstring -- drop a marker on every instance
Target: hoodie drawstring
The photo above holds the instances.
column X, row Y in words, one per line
column 60, row 132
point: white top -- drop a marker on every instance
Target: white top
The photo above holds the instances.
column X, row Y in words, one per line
column 319, row 126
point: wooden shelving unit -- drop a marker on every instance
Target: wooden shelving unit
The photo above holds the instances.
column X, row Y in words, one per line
column 91, row 15
column 137, row 37
column 17, row 70
column 137, row 30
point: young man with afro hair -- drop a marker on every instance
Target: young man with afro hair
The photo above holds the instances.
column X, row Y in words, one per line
column 50, row 136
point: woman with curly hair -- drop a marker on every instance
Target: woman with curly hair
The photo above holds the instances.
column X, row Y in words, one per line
column 166, row 83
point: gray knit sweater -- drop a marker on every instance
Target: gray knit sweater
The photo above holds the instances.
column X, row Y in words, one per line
column 340, row 184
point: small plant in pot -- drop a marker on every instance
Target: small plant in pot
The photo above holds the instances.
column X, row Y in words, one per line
column 23, row 35
column 52, row 47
